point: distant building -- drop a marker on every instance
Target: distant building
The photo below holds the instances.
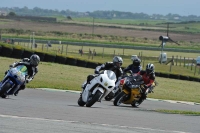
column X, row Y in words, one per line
column 3, row 13
column 176, row 18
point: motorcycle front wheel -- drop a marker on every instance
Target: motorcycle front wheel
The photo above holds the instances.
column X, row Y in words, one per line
column 93, row 99
column 5, row 88
column 110, row 96
column 119, row 99
column 136, row 103
column 80, row 102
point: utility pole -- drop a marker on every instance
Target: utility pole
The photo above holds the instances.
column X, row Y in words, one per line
column 93, row 28
column 0, row 35
column 33, row 39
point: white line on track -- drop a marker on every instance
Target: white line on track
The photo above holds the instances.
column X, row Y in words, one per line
column 108, row 125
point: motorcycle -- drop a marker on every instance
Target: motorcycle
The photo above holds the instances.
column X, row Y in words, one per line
column 118, row 87
column 98, row 88
column 132, row 90
column 14, row 78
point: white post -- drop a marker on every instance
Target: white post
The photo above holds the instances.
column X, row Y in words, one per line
column 30, row 41
column 33, row 40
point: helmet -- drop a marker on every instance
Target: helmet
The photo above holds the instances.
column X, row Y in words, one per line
column 150, row 68
column 117, row 61
column 34, row 60
column 136, row 62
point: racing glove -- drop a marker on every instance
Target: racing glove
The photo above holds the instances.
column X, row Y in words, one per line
column 96, row 72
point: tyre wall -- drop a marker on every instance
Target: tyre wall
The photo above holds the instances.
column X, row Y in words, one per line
column 6, row 51
column 17, row 53
column 92, row 65
column 27, row 54
column 71, row 61
column 41, row 55
column 60, row 59
column 81, row 63
column 49, row 58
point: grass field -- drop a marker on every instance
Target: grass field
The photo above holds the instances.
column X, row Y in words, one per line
column 52, row 75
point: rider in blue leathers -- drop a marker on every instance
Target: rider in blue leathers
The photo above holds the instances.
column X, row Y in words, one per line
column 135, row 67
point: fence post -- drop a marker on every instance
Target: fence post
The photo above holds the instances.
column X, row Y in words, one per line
column 184, row 62
column 143, row 63
column 103, row 53
column 195, row 70
column 199, row 70
column 180, row 60
column 188, row 63
column 123, row 52
column 114, row 52
column 176, row 59
column 66, row 49
column 192, row 64
column 172, row 63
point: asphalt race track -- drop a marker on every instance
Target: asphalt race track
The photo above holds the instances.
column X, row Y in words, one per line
column 41, row 111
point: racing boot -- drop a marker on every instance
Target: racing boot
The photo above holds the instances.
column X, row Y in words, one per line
column 22, row 87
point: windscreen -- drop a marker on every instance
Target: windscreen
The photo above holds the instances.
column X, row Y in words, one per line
column 111, row 75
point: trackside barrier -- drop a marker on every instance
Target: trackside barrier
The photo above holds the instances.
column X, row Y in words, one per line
column 20, row 53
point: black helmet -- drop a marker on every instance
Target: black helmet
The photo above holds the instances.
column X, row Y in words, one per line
column 136, row 62
column 34, row 60
column 150, row 68
column 117, row 61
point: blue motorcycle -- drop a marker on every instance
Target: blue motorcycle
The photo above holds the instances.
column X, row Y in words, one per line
column 14, row 78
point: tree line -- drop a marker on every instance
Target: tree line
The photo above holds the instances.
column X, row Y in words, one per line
column 36, row 11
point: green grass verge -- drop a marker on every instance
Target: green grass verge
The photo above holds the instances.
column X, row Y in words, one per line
column 179, row 112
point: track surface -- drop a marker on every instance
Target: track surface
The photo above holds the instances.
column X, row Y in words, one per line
column 52, row 111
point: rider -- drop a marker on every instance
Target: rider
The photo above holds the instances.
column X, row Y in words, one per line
column 31, row 65
column 148, row 78
column 135, row 67
column 115, row 66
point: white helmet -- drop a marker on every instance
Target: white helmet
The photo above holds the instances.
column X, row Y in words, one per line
column 34, row 60
column 117, row 61
column 150, row 68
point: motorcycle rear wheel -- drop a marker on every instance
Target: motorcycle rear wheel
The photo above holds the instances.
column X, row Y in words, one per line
column 94, row 99
column 119, row 99
column 4, row 88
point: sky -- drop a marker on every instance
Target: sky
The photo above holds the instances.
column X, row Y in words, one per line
column 163, row 7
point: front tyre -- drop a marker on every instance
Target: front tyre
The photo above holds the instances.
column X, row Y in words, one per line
column 119, row 99
column 136, row 103
column 80, row 102
column 110, row 96
column 4, row 88
column 4, row 96
column 93, row 99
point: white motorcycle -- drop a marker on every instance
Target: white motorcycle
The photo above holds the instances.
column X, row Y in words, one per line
column 98, row 88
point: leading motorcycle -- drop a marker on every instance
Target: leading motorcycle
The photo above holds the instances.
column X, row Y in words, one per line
column 14, row 78
column 99, row 87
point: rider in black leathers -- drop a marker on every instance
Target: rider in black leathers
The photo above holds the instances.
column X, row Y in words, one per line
column 115, row 66
column 135, row 67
